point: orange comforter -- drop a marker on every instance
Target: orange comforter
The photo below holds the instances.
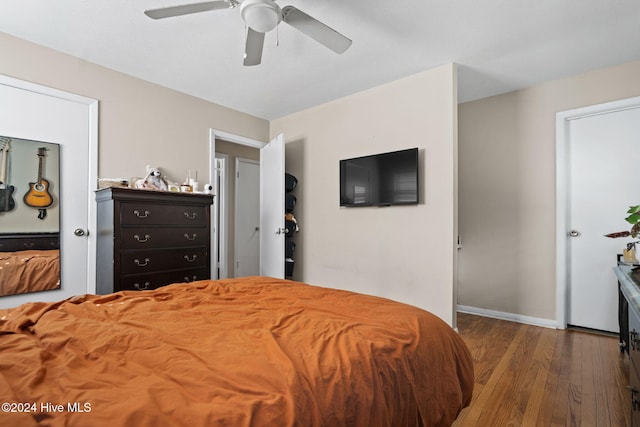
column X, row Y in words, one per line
column 29, row 271
column 237, row 352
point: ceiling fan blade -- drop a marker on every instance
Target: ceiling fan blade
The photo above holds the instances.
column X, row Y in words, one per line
column 253, row 47
column 185, row 9
column 315, row 29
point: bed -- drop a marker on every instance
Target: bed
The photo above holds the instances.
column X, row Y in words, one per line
column 29, row 262
column 253, row 351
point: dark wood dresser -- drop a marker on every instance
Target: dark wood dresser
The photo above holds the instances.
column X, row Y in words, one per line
column 629, row 282
column 147, row 239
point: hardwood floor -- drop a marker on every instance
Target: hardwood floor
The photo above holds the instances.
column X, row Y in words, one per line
column 533, row 376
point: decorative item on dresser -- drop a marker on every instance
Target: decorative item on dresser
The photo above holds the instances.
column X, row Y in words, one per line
column 147, row 239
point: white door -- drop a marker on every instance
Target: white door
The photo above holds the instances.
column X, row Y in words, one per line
column 247, row 218
column 272, row 208
column 603, row 182
column 30, row 111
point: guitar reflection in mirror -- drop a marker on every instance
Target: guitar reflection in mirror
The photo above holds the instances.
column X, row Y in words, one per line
column 38, row 195
column 6, row 191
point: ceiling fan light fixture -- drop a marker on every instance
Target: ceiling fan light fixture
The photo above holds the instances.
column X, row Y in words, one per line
column 260, row 15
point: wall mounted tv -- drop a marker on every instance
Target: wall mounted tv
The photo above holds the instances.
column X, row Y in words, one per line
column 380, row 180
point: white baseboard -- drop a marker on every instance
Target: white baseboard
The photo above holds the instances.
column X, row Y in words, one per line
column 519, row 318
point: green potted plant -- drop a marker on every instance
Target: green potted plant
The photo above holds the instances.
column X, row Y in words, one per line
column 633, row 218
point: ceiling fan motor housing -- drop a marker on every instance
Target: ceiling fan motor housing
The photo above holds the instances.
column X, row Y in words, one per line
column 260, row 15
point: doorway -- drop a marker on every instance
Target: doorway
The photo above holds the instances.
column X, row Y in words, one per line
column 596, row 155
column 271, row 207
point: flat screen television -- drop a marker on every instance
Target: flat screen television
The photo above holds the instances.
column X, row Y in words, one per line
column 384, row 179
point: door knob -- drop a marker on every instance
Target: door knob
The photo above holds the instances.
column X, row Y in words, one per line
column 574, row 233
column 79, row 232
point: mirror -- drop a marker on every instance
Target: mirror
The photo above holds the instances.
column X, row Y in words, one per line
column 29, row 216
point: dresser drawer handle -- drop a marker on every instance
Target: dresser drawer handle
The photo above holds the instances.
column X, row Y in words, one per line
column 137, row 213
column 191, row 215
column 141, row 288
column 142, row 264
column 141, row 239
column 186, row 279
column 192, row 238
column 190, row 259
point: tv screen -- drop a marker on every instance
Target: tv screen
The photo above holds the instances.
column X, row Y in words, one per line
column 380, row 180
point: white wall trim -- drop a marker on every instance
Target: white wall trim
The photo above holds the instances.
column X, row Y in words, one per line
column 563, row 137
column 93, row 186
column 237, row 139
column 221, row 199
column 518, row 318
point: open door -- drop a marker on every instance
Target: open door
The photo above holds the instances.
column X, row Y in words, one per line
column 272, row 232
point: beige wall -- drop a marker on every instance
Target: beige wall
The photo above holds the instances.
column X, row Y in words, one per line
column 140, row 123
column 405, row 253
column 507, row 189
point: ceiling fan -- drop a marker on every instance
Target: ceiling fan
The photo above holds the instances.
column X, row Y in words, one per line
column 262, row 16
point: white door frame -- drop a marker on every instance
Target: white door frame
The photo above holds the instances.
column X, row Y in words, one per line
column 236, row 139
column 563, row 137
column 221, row 222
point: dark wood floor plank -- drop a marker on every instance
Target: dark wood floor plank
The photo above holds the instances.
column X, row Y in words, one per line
column 558, row 385
column 542, row 358
column 588, row 399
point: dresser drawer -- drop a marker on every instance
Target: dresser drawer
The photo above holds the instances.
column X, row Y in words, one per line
column 139, row 262
column 161, row 237
column 132, row 213
column 156, row 280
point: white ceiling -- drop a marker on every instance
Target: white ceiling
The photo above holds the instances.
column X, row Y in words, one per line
column 499, row 45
